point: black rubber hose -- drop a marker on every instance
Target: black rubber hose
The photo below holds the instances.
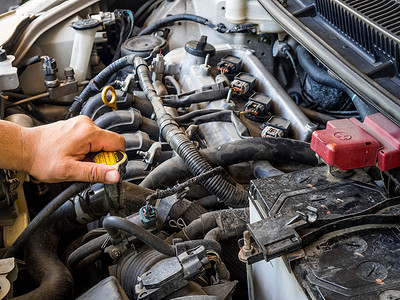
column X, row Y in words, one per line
column 98, row 82
column 128, row 121
column 316, row 73
column 44, row 265
column 54, row 279
column 144, row 106
column 208, row 244
column 95, row 106
column 322, row 76
column 44, row 215
column 114, row 224
column 179, row 142
column 86, row 250
column 26, row 63
column 363, row 108
column 135, row 170
column 281, row 149
column 142, row 9
column 208, row 202
column 174, row 18
column 263, row 169
column 230, row 222
column 120, row 121
column 135, row 141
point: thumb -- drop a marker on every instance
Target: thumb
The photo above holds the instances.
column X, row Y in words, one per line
column 92, row 172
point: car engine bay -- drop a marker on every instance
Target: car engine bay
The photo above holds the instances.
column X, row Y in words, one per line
column 262, row 149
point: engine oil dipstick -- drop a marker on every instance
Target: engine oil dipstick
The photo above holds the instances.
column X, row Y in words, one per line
column 113, row 102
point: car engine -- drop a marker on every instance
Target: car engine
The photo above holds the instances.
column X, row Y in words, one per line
column 262, row 149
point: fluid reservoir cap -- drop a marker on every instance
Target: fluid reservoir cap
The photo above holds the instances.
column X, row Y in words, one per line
column 85, row 24
column 116, row 159
column 142, row 45
column 200, row 48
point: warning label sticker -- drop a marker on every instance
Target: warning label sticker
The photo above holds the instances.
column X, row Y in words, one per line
column 108, row 158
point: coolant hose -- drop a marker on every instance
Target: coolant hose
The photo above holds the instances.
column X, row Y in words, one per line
column 322, row 76
column 114, row 224
column 97, row 83
column 170, row 19
column 43, row 216
column 174, row 169
column 179, row 142
column 55, row 281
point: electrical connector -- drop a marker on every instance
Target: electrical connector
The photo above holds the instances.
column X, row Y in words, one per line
column 276, row 127
column 258, row 107
column 243, row 83
column 229, row 65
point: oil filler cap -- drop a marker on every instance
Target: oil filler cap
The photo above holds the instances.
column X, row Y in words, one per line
column 200, row 48
column 349, row 144
column 116, row 159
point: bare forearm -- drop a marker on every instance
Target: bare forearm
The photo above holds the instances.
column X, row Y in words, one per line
column 17, row 147
column 57, row 152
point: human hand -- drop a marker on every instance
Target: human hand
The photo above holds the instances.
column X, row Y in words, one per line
column 57, row 152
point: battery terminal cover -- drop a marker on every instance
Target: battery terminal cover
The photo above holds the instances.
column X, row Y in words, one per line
column 349, row 144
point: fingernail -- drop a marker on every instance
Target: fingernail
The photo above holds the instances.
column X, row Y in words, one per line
column 112, row 176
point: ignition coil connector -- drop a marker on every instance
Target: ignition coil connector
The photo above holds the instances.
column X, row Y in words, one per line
column 276, row 127
column 243, row 82
column 229, row 65
column 258, row 107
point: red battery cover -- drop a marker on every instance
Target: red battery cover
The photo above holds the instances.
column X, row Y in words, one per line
column 350, row 144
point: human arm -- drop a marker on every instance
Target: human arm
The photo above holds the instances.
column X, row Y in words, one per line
column 56, row 152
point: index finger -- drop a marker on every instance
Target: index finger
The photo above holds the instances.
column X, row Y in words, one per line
column 106, row 140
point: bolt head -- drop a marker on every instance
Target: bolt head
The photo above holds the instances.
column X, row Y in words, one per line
column 115, row 253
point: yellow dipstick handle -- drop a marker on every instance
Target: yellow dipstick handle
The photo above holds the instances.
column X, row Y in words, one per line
column 113, row 102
